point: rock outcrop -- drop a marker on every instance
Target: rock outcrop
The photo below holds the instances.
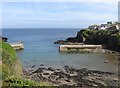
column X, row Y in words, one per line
column 69, row 76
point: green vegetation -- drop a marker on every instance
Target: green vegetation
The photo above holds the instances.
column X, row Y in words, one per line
column 111, row 39
column 12, row 69
column 10, row 62
column 15, row 81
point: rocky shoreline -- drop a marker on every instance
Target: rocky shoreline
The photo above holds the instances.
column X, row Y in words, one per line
column 115, row 54
column 69, row 76
column 65, row 42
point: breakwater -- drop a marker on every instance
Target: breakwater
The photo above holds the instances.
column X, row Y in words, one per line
column 17, row 45
column 80, row 48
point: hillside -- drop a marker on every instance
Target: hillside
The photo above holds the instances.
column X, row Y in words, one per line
column 12, row 74
column 110, row 39
column 10, row 62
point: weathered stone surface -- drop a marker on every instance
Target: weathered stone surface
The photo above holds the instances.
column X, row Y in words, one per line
column 39, row 70
column 81, row 48
column 33, row 66
column 51, row 69
column 60, row 42
column 69, row 76
column 41, row 64
column 46, row 74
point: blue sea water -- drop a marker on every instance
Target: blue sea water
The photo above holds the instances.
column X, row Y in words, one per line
column 40, row 49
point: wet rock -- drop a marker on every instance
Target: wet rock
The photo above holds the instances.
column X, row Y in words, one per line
column 57, row 73
column 41, row 64
column 41, row 78
column 69, row 69
column 79, row 84
column 35, row 77
column 70, row 76
column 45, row 73
column 33, row 66
column 58, row 69
column 60, row 42
column 106, row 61
column 53, row 79
column 83, row 72
column 61, row 76
column 39, row 70
column 51, row 69
column 102, row 73
column 67, row 80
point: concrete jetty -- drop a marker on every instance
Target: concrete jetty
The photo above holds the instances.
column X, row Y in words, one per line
column 80, row 48
column 17, row 45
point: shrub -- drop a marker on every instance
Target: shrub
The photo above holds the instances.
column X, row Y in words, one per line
column 14, row 82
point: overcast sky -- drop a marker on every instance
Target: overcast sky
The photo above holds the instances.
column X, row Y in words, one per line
column 57, row 14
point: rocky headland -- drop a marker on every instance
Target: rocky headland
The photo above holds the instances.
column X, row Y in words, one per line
column 107, row 35
column 108, row 39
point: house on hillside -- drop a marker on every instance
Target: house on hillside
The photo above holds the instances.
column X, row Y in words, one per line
column 93, row 27
column 112, row 28
column 117, row 26
column 103, row 27
column 109, row 26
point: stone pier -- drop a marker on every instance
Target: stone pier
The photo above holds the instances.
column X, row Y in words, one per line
column 17, row 45
column 80, row 48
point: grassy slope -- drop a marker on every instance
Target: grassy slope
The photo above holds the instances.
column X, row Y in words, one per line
column 10, row 62
column 12, row 69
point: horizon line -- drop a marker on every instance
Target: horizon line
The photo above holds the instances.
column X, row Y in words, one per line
column 33, row 27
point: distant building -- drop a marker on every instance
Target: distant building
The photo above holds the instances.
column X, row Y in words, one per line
column 93, row 27
column 117, row 26
column 112, row 28
column 109, row 26
column 4, row 39
column 103, row 27
column 111, row 22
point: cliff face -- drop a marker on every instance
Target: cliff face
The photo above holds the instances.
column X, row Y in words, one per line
column 111, row 39
column 10, row 63
column 79, row 38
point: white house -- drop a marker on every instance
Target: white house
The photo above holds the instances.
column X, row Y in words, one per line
column 117, row 26
column 104, row 26
column 93, row 27
column 109, row 26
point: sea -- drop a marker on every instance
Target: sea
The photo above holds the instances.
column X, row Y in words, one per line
column 39, row 49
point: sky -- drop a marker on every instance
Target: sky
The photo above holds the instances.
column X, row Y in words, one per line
column 57, row 14
column 119, row 11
